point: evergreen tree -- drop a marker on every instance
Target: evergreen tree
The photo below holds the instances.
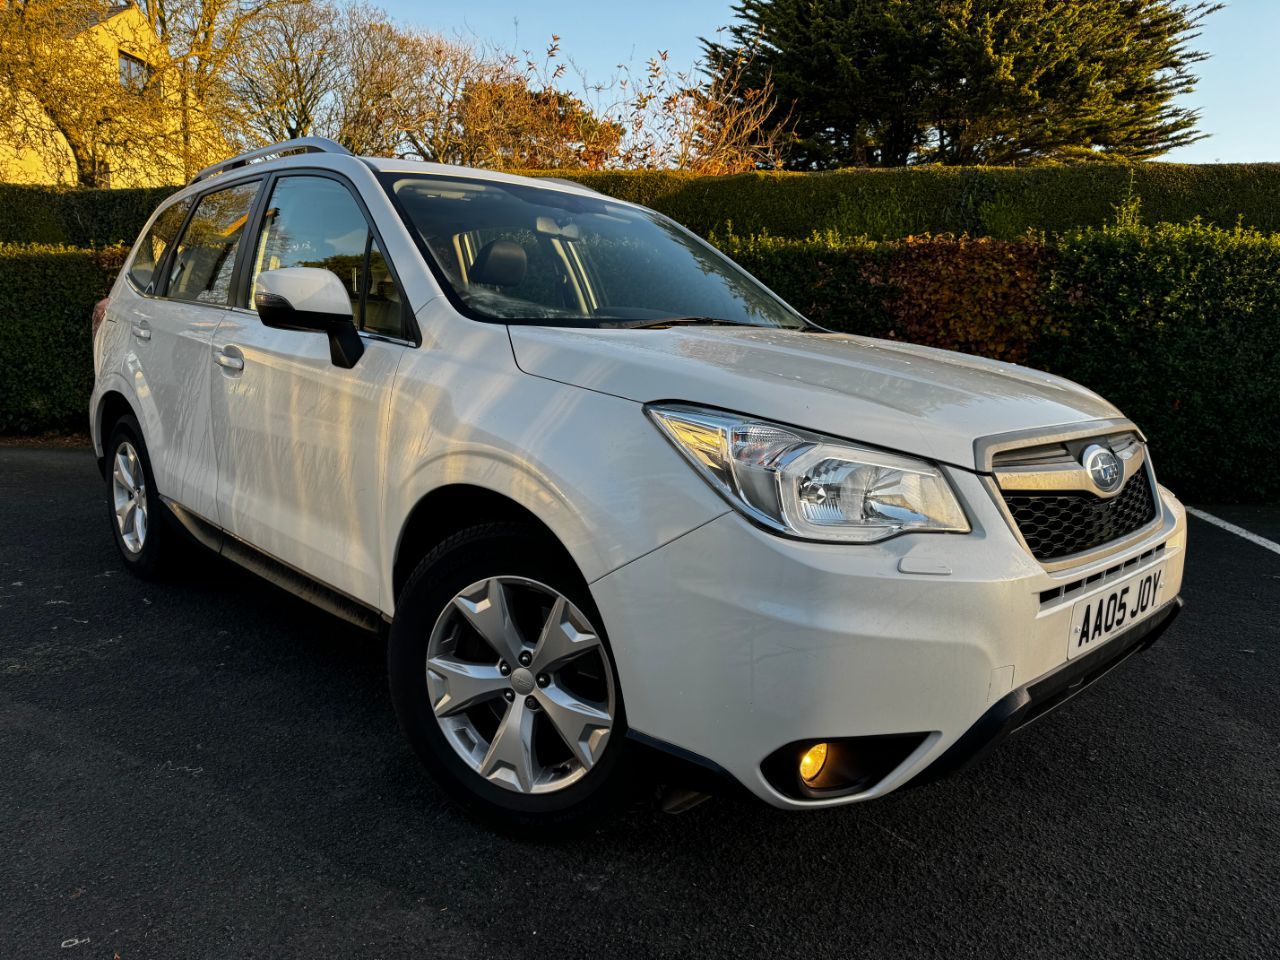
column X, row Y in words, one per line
column 892, row 82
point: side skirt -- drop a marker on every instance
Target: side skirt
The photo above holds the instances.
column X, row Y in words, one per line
column 276, row 571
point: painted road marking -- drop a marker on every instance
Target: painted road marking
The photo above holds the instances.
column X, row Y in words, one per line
column 1238, row 531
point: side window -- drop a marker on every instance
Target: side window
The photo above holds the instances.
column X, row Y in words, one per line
column 315, row 222
column 206, row 255
column 142, row 271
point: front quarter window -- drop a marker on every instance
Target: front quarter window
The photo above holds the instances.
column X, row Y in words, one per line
column 520, row 253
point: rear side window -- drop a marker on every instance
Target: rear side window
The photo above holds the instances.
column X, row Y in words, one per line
column 315, row 222
column 206, row 254
column 158, row 239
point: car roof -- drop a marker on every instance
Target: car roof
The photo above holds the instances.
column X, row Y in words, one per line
column 385, row 165
column 211, row 178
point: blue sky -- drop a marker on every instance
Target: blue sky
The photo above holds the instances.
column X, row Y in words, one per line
column 1239, row 93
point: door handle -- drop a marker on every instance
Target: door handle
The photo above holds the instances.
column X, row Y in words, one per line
column 228, row 361
column 142, row 330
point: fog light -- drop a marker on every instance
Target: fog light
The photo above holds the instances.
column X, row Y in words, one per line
column 811, row 764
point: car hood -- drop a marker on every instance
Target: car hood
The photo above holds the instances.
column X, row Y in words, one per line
column 919, row 400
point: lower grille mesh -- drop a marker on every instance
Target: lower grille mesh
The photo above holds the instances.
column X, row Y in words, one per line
column 1057, row 525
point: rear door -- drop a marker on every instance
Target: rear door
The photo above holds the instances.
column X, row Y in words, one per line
column 179, row 292
column 300, row 443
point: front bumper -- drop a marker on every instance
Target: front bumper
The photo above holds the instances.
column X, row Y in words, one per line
column 1028, row 704
column 732, row 643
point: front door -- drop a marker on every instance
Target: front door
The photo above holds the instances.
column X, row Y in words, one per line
column 299, row 441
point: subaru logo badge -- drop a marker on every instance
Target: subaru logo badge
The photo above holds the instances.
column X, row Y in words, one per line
column 1103, row 468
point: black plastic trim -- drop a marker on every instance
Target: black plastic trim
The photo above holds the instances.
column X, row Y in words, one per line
column 161, row 269
column 237, row 265
column 345, row 346
column 668, row 763
column 411, row 334
column 277, row 572
column 853, row 765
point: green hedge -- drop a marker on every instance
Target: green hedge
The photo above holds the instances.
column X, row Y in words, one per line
column 47, row 295
column 1178, row 325
column 880, row 204
column 77, row 218
column 981, row 201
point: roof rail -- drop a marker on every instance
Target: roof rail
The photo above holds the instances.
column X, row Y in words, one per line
column 300, row 145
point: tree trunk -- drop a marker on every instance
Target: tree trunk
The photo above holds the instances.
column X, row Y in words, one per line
column 89, row 173
column 184, row 120
column 897, row 142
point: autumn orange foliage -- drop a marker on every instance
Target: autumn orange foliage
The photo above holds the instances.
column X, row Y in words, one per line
column 974, row 294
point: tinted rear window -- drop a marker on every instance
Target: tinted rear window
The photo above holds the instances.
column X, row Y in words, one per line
column 157, row 240
column 206, row 255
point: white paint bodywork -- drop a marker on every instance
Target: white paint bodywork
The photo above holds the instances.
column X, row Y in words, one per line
column 307, row 288
column 917, row 400
column 729, row 641
column 160, row 359
column 300, row 447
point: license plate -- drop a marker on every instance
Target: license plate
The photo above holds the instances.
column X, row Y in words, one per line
column 1098, row 619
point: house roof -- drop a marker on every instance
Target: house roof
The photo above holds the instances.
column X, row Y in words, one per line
column 102, row 15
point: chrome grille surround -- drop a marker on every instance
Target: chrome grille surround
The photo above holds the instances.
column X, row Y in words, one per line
column 1053, row 505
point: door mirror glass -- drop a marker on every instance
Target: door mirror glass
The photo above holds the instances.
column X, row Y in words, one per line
column 310, row 299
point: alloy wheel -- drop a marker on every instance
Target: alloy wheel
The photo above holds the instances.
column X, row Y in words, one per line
column 520, row 684
column 129, row 497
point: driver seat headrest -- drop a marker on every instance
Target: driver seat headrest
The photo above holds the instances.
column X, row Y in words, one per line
column 500, row 263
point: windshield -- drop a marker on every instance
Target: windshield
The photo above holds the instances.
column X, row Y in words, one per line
column 518, row 253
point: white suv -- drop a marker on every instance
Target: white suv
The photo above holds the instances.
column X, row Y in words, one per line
column 612, row 496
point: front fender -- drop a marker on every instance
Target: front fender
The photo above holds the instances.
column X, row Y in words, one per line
column 590, row 466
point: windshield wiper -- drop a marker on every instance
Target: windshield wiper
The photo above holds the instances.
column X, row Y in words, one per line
column 675, row 322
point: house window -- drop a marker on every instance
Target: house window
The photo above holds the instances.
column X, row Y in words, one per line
column 134, row 74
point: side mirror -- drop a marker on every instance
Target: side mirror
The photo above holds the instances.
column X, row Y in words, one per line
column 311, row 299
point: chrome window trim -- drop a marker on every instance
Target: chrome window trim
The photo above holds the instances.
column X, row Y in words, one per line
column 381, row 338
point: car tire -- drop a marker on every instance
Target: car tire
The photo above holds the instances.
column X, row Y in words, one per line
column 443, row 658
column 139, row 520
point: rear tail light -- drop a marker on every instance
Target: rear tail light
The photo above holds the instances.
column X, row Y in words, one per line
column 100, row 313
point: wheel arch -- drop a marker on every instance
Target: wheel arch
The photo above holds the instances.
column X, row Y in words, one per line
column 453, row 507
column 112, row 405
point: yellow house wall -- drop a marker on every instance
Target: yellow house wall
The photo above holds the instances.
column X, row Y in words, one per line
column 24, row 165
column 128, row 32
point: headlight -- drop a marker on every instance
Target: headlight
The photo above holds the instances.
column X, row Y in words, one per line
column 808, row 485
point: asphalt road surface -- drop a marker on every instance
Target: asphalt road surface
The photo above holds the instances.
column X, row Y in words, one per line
column 209, row 768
